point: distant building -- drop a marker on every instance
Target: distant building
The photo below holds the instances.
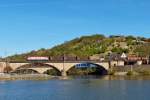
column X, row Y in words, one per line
column 124, row 56
column 139, row 62
column 115, row 56
column 117, row 59
column 134, row 59
column 117, row 63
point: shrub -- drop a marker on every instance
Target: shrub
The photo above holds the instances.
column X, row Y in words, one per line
column 145, row 72
column 111, row 73
column 130, row 73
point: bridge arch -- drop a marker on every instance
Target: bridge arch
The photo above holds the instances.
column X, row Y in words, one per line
column 37, row 67
column 99, row 68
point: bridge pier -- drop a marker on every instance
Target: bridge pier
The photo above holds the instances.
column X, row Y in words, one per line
column 63, row 73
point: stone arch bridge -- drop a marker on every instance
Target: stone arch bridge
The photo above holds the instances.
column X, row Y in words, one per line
column 63, row 67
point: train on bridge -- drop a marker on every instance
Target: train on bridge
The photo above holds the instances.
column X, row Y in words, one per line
column 57, row 58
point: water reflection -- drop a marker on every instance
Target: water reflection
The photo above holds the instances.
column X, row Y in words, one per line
column 105, row 77
column 126, row 77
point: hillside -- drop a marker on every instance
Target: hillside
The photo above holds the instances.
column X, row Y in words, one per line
column 86, row 46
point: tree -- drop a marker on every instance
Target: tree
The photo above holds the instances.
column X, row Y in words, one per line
column 130, row 38
column 120, row 50
column 142, row 50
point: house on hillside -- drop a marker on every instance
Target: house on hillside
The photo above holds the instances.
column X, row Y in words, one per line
column 139, row 60
column 117, row 59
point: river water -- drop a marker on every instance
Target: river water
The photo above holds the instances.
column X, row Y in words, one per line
column 83, row 88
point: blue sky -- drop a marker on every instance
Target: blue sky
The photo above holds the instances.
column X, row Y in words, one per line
column 32, row 24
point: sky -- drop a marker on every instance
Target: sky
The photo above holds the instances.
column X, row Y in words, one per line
column 27, row 25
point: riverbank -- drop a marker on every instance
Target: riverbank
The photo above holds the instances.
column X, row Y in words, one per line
column 26, row 77
column 131, row 73
column 37, row 77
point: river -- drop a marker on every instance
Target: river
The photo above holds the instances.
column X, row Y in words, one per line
column 83, row 88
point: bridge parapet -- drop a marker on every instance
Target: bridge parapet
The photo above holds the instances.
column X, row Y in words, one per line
column 60, row 61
